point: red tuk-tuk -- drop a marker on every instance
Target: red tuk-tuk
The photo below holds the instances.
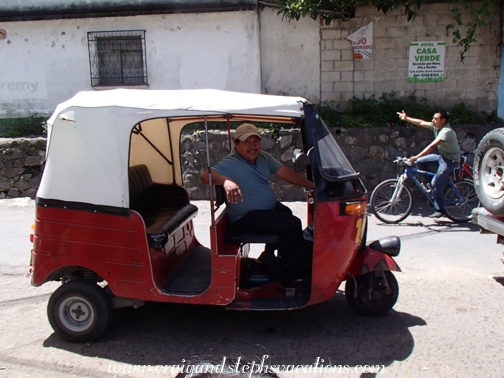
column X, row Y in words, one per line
column 114, row 221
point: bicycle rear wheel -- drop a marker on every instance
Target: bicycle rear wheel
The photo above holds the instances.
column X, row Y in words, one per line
column 384, row 208
column 459, row 209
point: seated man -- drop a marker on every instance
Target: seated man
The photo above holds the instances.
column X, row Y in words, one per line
column 251, row 204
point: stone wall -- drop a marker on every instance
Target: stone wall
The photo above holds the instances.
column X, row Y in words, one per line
column 475, row 81
column 370, row 150
column 21, row 162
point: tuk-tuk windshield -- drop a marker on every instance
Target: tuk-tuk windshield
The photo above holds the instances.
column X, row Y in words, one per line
column 333, row 162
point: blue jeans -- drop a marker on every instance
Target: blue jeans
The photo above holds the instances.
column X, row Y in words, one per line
column 443, row 168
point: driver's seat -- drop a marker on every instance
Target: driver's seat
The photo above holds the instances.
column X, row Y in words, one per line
column 242, row 239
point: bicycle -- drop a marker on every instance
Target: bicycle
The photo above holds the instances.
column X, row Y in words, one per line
column 392, row 200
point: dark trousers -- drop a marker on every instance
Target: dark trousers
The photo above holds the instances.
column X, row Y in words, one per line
column 443, row 168
column 279, row 221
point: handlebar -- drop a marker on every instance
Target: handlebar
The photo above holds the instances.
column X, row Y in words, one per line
column 403, row 160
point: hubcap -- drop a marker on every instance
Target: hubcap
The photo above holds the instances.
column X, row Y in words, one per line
column 493, row 169
column 76, row 314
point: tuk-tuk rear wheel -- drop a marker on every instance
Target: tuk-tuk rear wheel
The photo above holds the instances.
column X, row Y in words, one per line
column 79, row 311
column 372, row 296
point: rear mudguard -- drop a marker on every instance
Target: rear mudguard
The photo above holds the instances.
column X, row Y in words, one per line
column 370, row 260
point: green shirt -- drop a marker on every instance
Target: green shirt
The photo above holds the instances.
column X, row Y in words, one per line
column 449, row 148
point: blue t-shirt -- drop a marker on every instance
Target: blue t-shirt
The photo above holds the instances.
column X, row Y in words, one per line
column 253, row 180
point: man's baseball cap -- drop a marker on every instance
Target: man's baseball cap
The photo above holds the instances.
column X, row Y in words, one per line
column 245, row 130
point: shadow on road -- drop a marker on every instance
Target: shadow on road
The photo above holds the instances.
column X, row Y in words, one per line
column 170, row 334
column 419, row 217
column 499, row 280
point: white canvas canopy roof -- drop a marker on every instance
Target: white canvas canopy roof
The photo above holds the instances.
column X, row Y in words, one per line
column 88, row 149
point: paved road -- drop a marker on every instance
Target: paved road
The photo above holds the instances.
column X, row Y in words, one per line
column 448, row 321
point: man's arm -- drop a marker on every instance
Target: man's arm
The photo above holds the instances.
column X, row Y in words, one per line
column 415, row 121
column 292, row 177
column 427, row 150
column 233, row 192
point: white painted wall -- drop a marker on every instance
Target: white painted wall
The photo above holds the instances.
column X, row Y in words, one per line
column 43, row 63
column 290, row 55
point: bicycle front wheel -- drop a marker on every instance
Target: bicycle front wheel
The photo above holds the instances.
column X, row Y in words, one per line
column 389, row 209
column 459, row 205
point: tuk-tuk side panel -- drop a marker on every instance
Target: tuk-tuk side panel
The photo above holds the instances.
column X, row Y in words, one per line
column 165, row 261
column 336, row 241
column 106, row 244
column 225, row 261
column 221, row 224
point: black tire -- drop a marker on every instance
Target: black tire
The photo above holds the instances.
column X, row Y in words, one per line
column 383, row 209
column 461, row 212
column 79, row 311
column 489, row 171
column 378, row 302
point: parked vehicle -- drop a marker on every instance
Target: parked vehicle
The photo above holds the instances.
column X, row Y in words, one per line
column 114, row 221
column 489, row 183
column 392, row 200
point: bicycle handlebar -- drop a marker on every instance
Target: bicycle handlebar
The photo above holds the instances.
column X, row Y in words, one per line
column 403, row 160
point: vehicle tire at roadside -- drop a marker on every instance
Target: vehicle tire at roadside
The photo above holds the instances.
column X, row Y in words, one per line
column 79, row 311
column 370, row 295
column 489, row 171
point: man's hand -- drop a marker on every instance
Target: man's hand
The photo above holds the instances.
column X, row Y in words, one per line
column 233, row 192
column 402, row 115
column 412, row 159
column 415, row 121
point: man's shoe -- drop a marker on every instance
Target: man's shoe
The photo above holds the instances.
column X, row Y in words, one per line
column 268, row 259
column 438, row 214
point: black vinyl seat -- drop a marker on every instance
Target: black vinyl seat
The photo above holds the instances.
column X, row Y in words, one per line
column 160, row 222
column 233, row 237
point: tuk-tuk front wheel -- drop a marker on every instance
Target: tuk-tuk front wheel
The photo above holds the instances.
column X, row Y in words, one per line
column 79, row 311
column 375, row 294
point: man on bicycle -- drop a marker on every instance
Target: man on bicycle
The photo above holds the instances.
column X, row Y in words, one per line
column 446, row 141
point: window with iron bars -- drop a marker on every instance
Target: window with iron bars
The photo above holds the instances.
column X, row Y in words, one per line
column 117, row 58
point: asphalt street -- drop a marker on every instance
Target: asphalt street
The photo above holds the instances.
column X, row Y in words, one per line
column 448, row 321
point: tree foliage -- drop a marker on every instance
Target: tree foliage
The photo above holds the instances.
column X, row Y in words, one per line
column 464, row 29
column 477, row 20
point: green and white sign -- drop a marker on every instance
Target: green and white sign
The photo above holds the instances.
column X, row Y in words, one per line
column 426, row 62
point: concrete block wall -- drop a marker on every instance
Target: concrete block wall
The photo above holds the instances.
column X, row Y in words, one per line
column 475, row 81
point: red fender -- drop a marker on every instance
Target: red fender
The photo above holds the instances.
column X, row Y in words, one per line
column 370, row 260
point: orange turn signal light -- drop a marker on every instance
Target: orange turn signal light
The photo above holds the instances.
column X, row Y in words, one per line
column 31, row 235
column 355, row 208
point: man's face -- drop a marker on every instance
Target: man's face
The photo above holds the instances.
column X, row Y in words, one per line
column 249, row 148
column 437, row 121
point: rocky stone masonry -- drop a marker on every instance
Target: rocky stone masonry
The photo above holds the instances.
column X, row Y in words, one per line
column 21, row 164
column 370, row 150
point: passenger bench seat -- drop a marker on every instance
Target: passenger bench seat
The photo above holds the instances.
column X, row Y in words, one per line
column 160, row 222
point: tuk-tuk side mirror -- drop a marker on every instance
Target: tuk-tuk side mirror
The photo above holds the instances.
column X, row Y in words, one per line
column 301, row 160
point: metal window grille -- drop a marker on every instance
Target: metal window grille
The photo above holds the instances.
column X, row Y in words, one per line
column 117, row 58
